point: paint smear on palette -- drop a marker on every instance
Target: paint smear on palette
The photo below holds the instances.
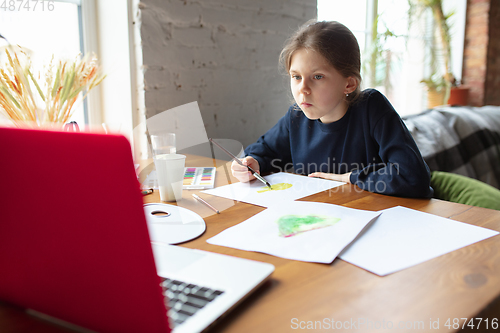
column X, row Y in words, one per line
column 290, row 225
column 275, row 187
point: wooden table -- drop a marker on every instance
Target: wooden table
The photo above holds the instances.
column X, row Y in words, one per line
column 462, row 284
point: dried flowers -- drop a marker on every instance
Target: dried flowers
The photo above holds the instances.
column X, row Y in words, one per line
column 54, row 98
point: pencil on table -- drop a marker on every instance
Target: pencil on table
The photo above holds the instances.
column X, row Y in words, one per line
column 206, row 203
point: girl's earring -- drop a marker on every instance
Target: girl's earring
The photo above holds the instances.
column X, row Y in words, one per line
column 346, row 95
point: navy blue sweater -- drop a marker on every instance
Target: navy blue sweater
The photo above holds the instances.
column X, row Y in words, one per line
column 370, row 140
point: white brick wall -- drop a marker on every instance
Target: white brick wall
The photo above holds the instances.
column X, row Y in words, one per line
column 223, row 54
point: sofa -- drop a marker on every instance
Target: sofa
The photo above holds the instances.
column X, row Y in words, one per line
column 461, row 140
column 457, row 142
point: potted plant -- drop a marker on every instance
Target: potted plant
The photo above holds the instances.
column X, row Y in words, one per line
column 441, row 81
column 378, row 55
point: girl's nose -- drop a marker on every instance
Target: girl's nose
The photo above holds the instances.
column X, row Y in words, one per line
column 304, row 88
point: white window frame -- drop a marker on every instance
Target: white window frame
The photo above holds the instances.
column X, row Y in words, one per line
column 109, row 31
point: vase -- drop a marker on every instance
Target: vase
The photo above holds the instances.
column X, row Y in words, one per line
column 435, row 97
column 459, row 96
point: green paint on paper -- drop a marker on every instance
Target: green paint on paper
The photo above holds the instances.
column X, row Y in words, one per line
column 275, row 187
column 290, row 225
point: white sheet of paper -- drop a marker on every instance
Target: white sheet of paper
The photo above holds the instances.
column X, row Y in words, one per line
column 260, row 233
column 403, row 237
column 256, row 193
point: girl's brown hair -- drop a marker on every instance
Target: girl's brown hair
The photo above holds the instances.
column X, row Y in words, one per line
column 332, row 40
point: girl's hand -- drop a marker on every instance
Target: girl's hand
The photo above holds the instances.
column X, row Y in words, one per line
column 241, row 172
column 332, row 176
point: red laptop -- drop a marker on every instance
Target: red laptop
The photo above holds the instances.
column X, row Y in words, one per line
column 74, row 242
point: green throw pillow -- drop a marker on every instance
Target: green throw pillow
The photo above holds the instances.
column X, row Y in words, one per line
column 465, row 190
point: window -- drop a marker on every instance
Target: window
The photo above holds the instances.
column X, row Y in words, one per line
column 43, row 29
column 69, row 27
column 399, row 59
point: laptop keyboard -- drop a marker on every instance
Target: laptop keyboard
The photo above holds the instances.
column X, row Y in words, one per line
column 184, row 300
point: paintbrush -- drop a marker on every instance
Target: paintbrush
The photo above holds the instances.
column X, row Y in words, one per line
column 256, row 175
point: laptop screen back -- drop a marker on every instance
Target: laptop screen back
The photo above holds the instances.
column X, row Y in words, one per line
column 74, row 242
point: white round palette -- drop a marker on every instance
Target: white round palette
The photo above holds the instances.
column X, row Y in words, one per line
column 172, row 224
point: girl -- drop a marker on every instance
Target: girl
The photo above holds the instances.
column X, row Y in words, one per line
column 334, row 130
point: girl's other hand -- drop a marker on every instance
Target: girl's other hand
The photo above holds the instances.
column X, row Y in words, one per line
column 241, row 172
column 345, row 177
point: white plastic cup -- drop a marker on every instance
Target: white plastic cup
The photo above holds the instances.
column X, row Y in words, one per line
column 163, row 143
column 170, row 173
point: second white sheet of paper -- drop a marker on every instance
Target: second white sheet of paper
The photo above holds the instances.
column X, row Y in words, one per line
column 288, row 186
column 261, row 232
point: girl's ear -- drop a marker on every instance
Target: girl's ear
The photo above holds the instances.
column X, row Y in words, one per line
column 351, row 85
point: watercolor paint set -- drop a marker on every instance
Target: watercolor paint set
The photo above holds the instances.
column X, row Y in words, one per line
column 198, row 178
